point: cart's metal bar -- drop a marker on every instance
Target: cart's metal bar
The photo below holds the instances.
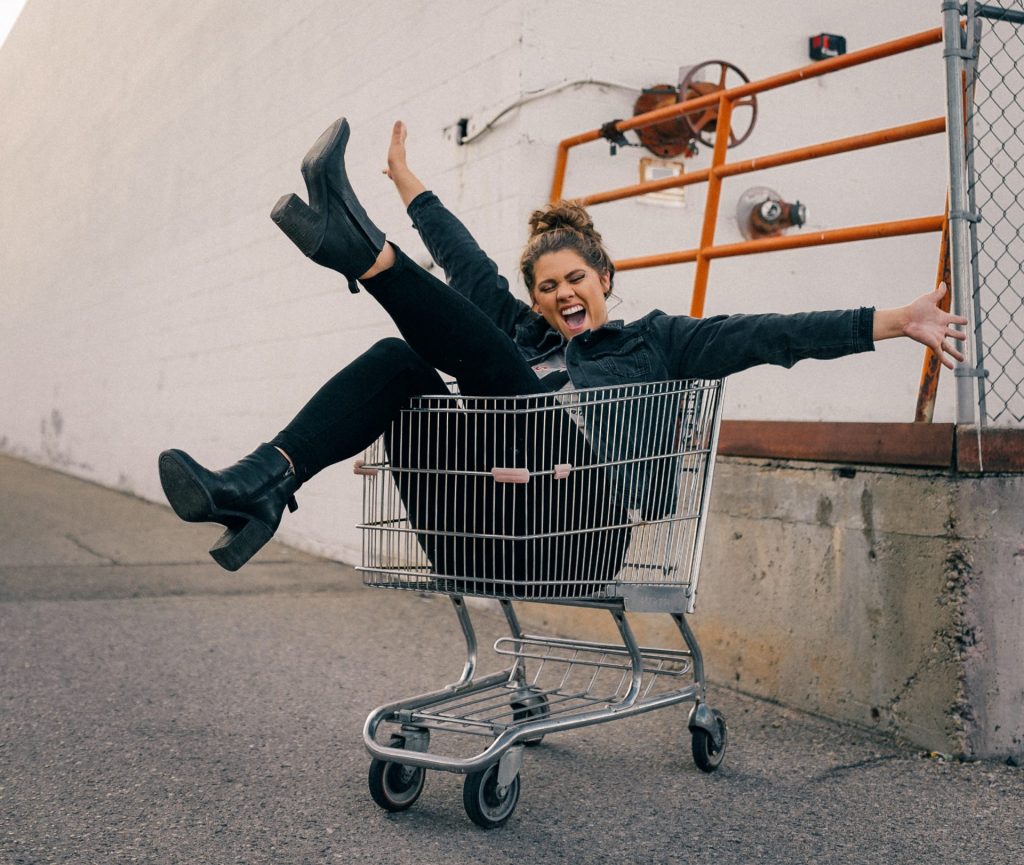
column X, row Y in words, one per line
column 535, row 405
column 474, row 727
column 517, row 633
column 682, row 658
column 509, row 737
column 492, row 536
column 553, row 472
column 649, row 651
column 601, row 664
column 412, row 704
column 694, row 647
column 471, row 648
column 705, row 498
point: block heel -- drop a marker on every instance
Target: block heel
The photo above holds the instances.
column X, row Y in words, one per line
column 332, row 229
column 303, row 226
column 236, row 546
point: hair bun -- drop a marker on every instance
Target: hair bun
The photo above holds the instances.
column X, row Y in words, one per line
column 561, row 214
column 564, row 225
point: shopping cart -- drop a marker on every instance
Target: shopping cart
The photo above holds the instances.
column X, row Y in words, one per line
column 595, row 497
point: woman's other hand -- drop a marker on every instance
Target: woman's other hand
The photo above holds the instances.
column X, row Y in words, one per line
column 407, row 183
column 925, row 322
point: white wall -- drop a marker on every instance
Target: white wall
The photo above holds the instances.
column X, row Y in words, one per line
column 148, row 301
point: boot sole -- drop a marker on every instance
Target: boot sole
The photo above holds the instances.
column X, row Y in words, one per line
column 334, row 136
column 186, row 495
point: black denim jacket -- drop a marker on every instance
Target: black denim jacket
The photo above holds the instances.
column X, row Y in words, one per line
column 656, row 347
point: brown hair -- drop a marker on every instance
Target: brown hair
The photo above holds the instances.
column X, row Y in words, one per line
column 564, row 225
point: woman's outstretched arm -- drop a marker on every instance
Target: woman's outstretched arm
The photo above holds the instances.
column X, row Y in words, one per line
column 468, row 268
column 726, row 344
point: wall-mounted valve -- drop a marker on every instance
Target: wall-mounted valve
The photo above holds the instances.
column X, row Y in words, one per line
column 761, row 212
column 679, row 135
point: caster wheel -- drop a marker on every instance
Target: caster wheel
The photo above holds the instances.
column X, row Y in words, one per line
column 487, row 804
column 531, row 708
column 705, row 754
column 394, row 786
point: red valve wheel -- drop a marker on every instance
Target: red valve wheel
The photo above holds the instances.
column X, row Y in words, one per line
column 715, row 76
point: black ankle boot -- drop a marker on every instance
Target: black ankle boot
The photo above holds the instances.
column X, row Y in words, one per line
column 247, row 498
column 333, row 229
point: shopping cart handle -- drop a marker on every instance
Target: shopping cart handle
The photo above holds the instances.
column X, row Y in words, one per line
column 359, row 467
column 510, row 475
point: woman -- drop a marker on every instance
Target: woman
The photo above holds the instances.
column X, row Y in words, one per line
column 474, row 330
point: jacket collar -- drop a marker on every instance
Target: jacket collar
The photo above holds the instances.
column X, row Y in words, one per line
column 541, row 336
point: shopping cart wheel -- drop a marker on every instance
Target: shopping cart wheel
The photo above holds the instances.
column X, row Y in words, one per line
column 488, row 804
column 706, row 754
column 393, row 786
column 530, row 708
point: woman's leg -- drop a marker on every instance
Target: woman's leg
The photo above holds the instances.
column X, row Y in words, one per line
column 355, row 406
column 343, row 417
column 450, row 332
column 443, row 327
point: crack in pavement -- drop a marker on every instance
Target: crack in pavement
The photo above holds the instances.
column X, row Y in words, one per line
column 83, row 546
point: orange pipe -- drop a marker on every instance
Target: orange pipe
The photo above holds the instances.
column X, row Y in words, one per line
column 561, row 160
column 774, row 160
column 924, row 411
column 840, row 145
column 699, row 176
column 814, row 70
column 899, row 228
column 723, row 130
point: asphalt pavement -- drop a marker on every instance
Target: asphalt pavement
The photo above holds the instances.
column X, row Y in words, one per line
column 156, row 709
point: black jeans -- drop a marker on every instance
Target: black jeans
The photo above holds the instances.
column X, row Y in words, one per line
column 567, row 547
column 441, row 330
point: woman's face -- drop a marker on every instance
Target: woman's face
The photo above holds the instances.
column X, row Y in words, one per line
column 569, row 293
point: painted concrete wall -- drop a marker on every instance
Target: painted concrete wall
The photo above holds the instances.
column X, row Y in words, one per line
column 888, row 598
column 148, row 301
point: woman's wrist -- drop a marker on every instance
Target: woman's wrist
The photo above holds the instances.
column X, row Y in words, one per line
column 407, row 184
column 889, row 323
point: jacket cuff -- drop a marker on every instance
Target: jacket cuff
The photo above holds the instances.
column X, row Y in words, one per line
column 864, row 328
column 424, row 200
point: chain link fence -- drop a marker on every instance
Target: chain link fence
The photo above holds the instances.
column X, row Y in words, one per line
column 995, row 164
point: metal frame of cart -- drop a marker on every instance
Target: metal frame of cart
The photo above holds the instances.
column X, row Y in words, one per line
column 594, row 497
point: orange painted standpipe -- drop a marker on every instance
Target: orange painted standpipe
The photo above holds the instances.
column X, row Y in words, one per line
column 920, row 225
column 723, row 129
column 814, row 70
column 774, row 160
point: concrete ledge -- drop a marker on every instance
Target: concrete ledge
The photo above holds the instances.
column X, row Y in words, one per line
column 905, row 444
column 883, row 444
column 888, row 597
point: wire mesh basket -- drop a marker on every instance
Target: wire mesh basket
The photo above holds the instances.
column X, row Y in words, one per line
column 578, row 496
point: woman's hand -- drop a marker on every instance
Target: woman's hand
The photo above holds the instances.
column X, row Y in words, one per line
column 923, row 321
column 407, row 183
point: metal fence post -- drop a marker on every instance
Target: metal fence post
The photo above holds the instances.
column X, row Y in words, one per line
column 960, row 252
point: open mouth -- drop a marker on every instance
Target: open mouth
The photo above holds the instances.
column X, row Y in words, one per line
column 574, row 316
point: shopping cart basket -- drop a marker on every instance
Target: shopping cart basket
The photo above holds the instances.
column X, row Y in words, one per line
column 595, row 497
